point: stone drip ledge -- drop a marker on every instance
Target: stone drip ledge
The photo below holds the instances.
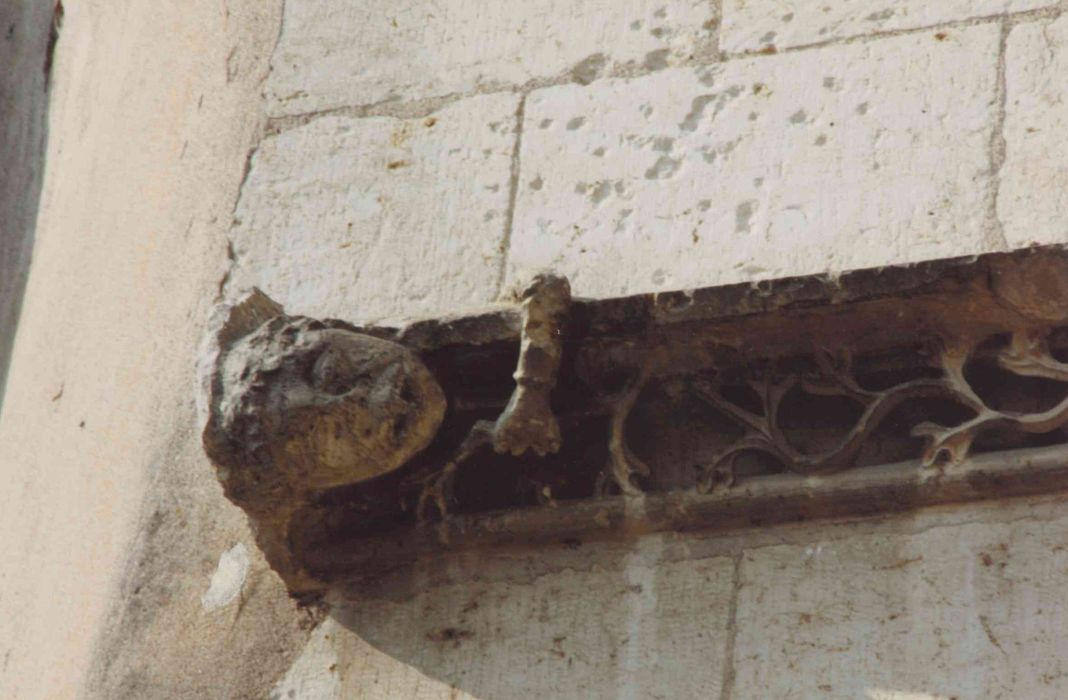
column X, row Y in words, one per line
column 356, row 451
column 783, row 499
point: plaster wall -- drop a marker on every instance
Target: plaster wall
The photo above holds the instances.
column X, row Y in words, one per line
column 383, row 161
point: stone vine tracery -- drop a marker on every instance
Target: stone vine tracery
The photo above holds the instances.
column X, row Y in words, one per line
column 1027, row 355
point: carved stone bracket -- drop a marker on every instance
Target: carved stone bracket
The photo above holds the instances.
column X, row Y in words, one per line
column 356, row 449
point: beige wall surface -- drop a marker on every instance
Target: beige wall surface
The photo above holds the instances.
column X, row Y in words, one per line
column 105, row 494
column 387, row 160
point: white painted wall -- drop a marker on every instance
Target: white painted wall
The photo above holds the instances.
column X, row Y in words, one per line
column 378, row 161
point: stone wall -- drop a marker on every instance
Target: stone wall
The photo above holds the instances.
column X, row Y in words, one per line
column 641, row 146
column 378, row 161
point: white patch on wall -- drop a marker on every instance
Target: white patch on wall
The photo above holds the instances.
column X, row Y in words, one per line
column 228, row 578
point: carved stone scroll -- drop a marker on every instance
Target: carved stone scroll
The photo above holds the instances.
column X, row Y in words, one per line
column 353, row 449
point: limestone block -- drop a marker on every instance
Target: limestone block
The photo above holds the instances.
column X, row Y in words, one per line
column 851, row 156
column 1033, row 198
column 369, row 219
column 649, row 630
column 755, row 25
column 968, row 611
column 334, row 53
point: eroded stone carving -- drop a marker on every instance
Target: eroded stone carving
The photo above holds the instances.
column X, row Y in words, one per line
column 527, row 423
column 341, row 442
column 296, row 407
column 1027, row 355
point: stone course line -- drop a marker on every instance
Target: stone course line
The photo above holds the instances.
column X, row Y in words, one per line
column 996, row 233
column 513, row 190
column 425, row 106
column 1013, row 17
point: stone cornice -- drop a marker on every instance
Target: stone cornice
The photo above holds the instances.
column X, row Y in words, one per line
column 559, row 421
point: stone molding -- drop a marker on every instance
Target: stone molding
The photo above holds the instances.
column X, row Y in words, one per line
column 556, row 421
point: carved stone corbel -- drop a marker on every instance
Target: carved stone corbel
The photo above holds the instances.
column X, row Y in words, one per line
column 297, row 407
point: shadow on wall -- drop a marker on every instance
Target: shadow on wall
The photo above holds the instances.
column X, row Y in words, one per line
column 638, row 622
column 592, row 624
column 28, row 33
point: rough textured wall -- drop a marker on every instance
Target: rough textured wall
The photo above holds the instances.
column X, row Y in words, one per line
column 408, row 158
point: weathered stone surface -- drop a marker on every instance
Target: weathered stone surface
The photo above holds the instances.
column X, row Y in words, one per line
column 332, row 54
column 849, row 157
column 362, row 219
column 107, row 495
column 110, row 523
column 644, row 628
column 313, row 676
column 295, row 406
column 967, row 611
column 1033, row 198
column 756, row 25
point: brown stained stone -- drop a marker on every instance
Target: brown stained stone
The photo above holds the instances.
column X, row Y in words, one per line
column 710, row 408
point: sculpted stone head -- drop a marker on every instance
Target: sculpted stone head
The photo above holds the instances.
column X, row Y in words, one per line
column 299, row 405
